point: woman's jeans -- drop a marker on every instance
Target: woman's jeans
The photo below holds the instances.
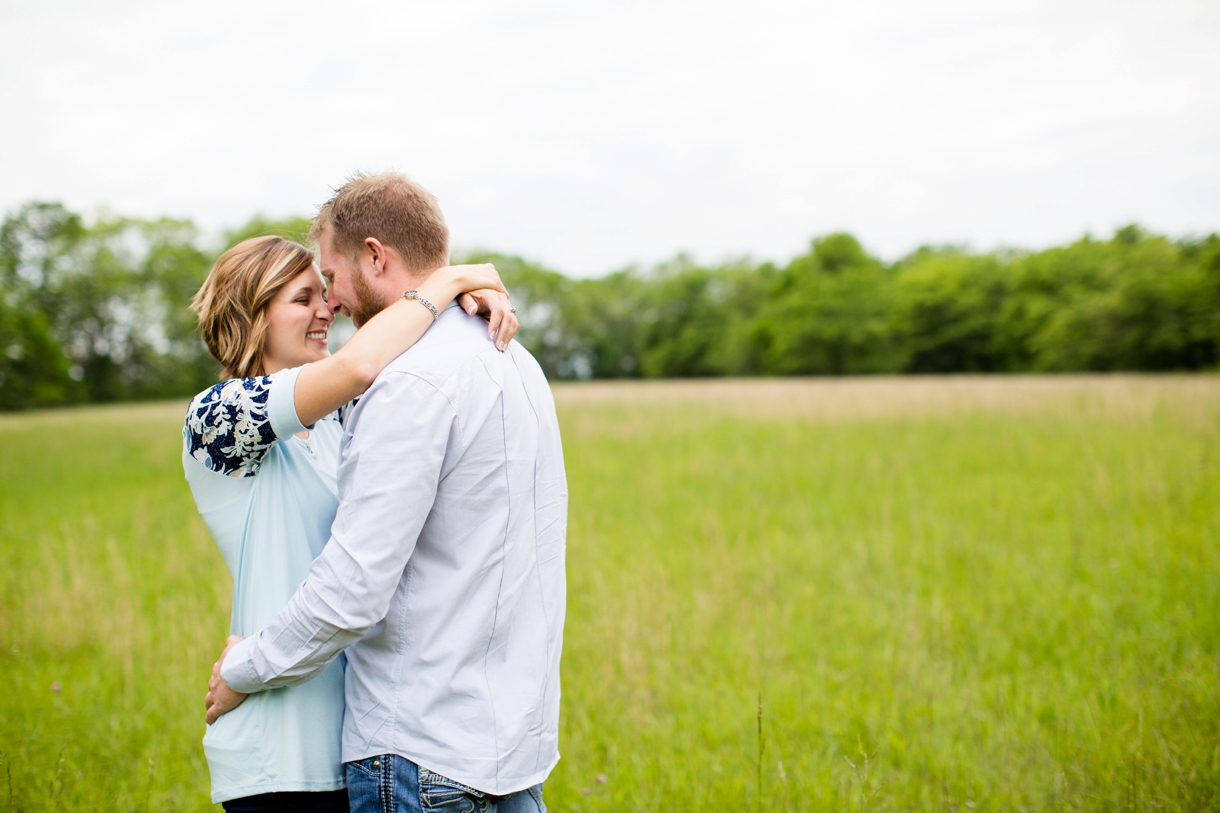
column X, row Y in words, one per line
column 393, row 784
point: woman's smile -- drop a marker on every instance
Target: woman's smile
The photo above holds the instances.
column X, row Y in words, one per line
column 299, row 306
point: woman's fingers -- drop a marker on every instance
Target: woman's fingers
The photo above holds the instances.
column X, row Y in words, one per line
column 494, row 306
column 508, row 327
column 501, row 323
column 494, row 320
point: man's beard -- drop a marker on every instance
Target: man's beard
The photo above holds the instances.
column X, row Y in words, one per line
column 369, row 302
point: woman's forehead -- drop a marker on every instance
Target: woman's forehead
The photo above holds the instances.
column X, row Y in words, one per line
column 310, row 275
column 309, row 279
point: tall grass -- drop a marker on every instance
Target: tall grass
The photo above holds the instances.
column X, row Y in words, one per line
column 961, row 594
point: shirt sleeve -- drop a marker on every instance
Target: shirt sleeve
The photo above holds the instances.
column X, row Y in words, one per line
column 230, row 427
column 401, row 432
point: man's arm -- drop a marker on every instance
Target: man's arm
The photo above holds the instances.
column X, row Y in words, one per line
column 391, row 468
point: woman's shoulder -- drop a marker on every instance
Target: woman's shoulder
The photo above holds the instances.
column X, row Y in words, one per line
column 234, row 391
column 227, row 428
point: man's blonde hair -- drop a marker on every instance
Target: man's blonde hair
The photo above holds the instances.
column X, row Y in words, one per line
column 392, row 208
column 232, row 304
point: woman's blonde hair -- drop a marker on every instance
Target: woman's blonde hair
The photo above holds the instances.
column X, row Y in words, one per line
column 232, row 304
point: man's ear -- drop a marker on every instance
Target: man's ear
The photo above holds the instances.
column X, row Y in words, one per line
column 378, row 254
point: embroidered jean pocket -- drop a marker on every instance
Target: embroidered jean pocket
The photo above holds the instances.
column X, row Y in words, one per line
column 370, row 767
column 437, row 792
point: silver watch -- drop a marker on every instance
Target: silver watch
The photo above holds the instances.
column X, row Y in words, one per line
column 415, row 295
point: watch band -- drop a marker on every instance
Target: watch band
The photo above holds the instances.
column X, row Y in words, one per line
column 415, row 295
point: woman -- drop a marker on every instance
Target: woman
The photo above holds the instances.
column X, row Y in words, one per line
column 260, row 451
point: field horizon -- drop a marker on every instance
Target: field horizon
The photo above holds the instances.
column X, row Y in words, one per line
column 877, row 593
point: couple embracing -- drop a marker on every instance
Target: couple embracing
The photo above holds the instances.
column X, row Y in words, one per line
column 394, row 517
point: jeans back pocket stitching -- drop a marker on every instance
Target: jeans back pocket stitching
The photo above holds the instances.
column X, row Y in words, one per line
column 433, row 778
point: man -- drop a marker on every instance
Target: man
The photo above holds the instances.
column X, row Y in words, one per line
column 444, row 575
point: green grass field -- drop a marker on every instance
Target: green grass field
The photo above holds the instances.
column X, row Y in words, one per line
column 926, row 594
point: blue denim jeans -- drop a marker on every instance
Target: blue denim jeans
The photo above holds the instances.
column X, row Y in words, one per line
column 394, row 784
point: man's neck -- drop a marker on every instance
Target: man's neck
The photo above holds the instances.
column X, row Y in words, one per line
column 407, row 280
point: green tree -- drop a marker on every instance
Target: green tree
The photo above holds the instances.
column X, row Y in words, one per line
column 33, row 368
column 1135, row 302
column 98, row 311
column 682, row 320
column 35, row 242
column 829, row 312
column 111, row 296
column 947, row 305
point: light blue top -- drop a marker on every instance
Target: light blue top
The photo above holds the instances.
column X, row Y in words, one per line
column 268, row 499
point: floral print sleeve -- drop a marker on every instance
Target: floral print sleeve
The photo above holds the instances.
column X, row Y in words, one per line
column 227, row 426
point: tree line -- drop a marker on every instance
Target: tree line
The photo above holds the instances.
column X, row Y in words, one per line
column 97, row 311
column 1136, row 301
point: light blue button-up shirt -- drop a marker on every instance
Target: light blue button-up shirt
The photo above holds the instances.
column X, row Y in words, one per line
column 444, row 573
column 268, row 499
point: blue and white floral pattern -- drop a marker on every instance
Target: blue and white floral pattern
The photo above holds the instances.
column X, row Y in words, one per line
column 227, row 428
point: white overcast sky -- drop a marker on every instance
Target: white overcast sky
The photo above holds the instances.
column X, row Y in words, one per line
column 592, row 135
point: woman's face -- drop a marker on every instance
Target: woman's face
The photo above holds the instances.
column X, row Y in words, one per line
column 298, row 321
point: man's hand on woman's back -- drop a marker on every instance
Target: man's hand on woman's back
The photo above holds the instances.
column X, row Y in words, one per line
column 220, row 699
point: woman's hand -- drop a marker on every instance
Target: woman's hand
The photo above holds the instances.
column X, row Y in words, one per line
column 480, row 291
column 492, row 305
column 474, row 277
